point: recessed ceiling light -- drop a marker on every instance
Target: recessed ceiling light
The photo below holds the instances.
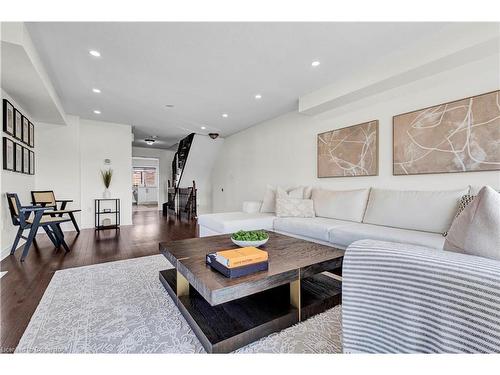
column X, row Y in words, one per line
column 95, row 53
column 258, row 96
column 225, row 115
column 97, row 91
column 203, row 127
column 315, row 63
column 97, row 112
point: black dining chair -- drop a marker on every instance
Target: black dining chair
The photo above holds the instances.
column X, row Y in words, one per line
column 32, row 217
column 47, row 198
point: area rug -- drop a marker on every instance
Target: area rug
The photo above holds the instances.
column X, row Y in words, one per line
column 121, row 307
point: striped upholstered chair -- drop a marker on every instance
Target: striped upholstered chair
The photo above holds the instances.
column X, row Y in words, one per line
column 31, row 218
column 47, row 198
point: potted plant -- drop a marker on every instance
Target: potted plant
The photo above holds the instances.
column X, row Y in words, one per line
column 106, row 179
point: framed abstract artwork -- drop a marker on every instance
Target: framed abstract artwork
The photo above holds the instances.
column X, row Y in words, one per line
column 26, row 160
column 18, row 158
column 8, row 154
column 32, row 135
column 26, row 131
column 32, row 162
column 18, row 125
column 8, row 117
column 459, row 136
column 350, row 151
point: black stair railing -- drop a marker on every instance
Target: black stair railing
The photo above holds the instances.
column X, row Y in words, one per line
column 175, row 204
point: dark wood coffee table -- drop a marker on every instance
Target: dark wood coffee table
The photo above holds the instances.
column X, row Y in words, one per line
column 226, row 314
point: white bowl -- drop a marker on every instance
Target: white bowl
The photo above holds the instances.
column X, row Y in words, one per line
column 249, row 243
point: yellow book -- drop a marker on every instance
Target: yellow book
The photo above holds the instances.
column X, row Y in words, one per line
column 241, row 257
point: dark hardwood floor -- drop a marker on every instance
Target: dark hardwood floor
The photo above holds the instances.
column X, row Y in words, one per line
column 24, row 284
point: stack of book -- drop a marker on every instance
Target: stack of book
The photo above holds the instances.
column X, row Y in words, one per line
column 238, row 262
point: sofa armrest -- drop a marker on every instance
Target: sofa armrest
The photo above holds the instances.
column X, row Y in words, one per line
column 251, row 207
column 411, row 299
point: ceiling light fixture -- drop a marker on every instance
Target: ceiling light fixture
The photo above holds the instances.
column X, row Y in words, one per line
column 95, row 53
column 225, row 115
column 258, row 96
column 314, row 64
column 97, row 91
column 97, row 112
column 149, row 141
column 169, row 105
column 203, row 127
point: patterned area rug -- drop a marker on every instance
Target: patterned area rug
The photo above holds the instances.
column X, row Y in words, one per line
column 121, row 307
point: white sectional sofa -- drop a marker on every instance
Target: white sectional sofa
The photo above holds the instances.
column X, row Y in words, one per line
column 343, row 217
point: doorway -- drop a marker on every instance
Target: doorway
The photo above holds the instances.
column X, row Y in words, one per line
column 145, row 184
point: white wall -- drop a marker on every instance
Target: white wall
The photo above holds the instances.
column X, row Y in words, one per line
column 282, row 151
column 70, row 158
column 199, row 166
column 12, row 182
column 99, row 141
column 58, row 162
column 165, row 158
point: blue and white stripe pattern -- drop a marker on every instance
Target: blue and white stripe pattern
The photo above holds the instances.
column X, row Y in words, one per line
column 399, row 298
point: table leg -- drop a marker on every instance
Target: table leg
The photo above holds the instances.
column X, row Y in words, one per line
column 295, row 295
column 182, row 285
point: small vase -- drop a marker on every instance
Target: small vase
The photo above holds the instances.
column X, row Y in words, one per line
column 106, row 194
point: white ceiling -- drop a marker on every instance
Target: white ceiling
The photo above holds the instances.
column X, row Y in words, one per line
column 206, row 69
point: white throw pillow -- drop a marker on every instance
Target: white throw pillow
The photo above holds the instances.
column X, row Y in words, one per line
column 476, row 230
column 343, row 205
column 428, row 211
column 294, row 207
column 251, row 207
column 297, row 193
column 269, row 200
column 307, row 192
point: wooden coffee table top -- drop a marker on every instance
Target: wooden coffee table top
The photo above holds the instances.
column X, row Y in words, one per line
column 289, row 259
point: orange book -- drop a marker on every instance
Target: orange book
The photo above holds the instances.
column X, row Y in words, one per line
column 241, row 257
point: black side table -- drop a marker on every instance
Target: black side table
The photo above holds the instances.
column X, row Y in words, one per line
column 100, row 211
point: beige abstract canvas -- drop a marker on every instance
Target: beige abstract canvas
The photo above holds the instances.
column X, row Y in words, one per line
column 351, row 151
column 459, row 136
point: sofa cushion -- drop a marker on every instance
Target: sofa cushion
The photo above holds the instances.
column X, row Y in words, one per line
column 269, row 200
column 229, row 222
column 342, row 205
column 476, row 230
column 293, row 207
column 345, row 235
column 316, row 228
column 430, row 211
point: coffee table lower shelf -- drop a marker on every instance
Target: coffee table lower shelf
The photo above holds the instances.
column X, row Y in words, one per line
column 232, row 325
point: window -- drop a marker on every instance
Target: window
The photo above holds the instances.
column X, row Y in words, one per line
column 144, row 177
column 137, row 178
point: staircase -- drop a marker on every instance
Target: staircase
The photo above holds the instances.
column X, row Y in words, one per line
column 181, row 200
column 192, row 162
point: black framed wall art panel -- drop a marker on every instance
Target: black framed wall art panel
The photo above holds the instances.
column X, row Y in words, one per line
column 18, row 125
column 32, row 162
column 8, row 117
column 8, row 154
column 18, row 158
column 26, row 131
column 26, row 160
column 32, row 135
